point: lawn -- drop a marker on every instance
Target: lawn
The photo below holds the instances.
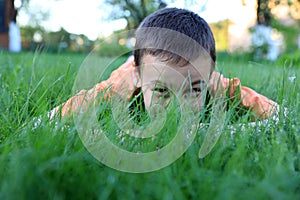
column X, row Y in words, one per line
column 50, row 161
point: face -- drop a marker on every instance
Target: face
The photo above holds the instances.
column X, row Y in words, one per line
column 159, row 81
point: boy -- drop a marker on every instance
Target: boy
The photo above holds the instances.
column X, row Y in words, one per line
column 174, row 53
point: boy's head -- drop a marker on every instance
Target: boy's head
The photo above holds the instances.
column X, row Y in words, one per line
column 168, row 44
column 179, row 20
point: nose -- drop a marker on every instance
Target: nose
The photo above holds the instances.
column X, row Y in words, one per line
column 194, row 100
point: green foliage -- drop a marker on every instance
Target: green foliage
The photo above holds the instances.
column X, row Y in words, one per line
column 220, row 31
column 112, row 48
column 290, row 59
column 49, row 161
column 53, row 42
column 117, row 44
column 290, row 34
column 134, row 11
column 266, row 15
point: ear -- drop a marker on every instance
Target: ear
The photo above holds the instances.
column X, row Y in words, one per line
column 136, row 78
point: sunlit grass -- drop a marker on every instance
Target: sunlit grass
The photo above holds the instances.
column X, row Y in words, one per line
column 50, row 161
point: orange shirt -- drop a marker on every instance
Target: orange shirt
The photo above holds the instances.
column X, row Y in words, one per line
column 121, row 82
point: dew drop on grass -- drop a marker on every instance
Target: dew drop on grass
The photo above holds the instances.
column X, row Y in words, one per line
column 123, row 139
column 277, row 141
column 111, row 179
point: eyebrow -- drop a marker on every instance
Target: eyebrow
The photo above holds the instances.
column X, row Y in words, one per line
column 199, row 81
column 157, row 82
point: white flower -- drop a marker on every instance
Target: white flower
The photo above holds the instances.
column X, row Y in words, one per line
column 292, row 78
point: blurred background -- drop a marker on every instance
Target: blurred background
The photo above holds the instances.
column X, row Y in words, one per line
column 262, row 29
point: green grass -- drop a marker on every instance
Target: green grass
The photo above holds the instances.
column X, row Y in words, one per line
column 51, row 162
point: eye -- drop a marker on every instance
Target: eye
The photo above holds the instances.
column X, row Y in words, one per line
column 196, row 90
column 162, row 91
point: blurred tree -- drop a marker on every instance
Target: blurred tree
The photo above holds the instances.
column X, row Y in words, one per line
column 60, row 41
column 266, row 9
column 27, row 35
column 220, row 31
column 35, row 14
column 34, row 35
column 263, row 13
column 134, row 11
column 273, row 17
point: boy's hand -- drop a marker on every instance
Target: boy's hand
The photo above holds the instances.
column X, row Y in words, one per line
column 218, row 85
column 257, row 103
column 121, row 82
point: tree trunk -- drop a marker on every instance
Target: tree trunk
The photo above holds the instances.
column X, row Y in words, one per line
column 263, row 13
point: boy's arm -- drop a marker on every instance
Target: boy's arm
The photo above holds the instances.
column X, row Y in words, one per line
column 120, row 82
column 260, row 105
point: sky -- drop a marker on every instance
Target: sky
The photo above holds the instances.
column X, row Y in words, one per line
column 90, row 17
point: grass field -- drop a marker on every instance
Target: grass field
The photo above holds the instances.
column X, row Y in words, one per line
column 51, row 162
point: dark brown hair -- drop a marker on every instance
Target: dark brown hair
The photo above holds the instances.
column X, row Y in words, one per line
column 161, row 34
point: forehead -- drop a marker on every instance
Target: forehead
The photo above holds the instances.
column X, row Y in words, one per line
column 156, row 71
